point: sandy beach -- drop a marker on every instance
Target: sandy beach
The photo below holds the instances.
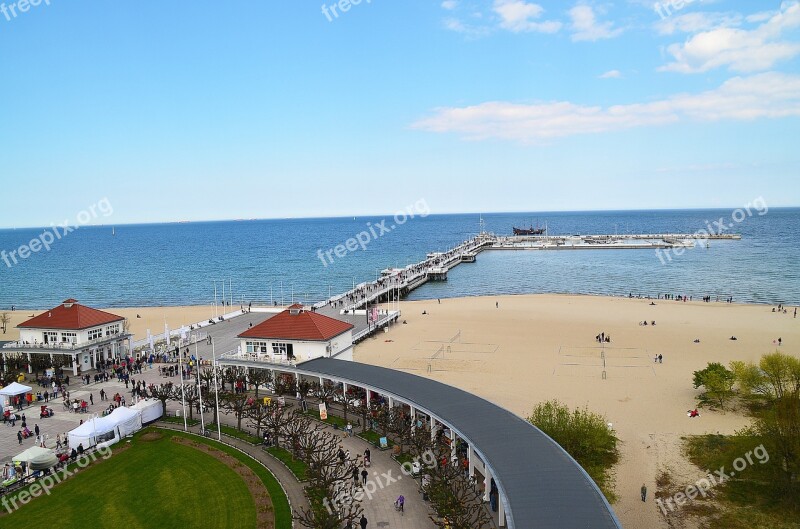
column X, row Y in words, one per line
column 539, row 347
column 519, row 350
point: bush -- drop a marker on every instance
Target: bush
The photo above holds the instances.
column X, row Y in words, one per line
column 585, row 436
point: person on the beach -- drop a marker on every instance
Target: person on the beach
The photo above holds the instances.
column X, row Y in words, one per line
column 643, row 491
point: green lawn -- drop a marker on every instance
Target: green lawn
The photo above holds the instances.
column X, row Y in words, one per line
column 155, row 484
column 151, row 484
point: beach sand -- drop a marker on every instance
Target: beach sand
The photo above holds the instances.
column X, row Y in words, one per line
column 539, row 347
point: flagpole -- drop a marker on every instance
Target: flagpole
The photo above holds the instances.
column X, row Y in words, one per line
column 216, row 389
column 199, row 390
column 183, row 397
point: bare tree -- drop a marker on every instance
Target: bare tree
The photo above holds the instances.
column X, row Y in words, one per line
column 5, row 319
column 190, row 394
column 258, row 378
column 342, row 510
column 328, row 468
column 161, row 392
column 257, row 416
column 456, row 499
column 278, row 416
column 298, row 425
column 236, row 403
column 400, row 426
column 207, row 377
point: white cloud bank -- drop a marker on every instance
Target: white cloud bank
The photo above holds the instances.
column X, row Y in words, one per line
column 766, row 95
column 519, row 16
column 740, row 50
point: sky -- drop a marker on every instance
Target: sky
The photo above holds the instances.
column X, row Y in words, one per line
column 175, row 111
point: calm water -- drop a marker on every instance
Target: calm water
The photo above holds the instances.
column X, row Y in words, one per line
column 175, row 264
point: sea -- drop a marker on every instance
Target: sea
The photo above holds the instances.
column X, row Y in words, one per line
column 294, row 260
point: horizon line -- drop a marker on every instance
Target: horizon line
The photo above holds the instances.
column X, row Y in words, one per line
column 254, row 219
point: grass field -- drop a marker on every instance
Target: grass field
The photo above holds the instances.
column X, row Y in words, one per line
column 151, row 484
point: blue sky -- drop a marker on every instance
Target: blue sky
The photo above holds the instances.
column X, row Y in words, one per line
column 211, row 110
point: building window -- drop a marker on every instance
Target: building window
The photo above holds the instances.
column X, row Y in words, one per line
column 69, row 337
column 50, row 337
column 256, row 347
column 94, row 334
column 283, row 349
column 112, row 329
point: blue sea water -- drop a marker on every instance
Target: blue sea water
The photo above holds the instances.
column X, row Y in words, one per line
column 274, row 260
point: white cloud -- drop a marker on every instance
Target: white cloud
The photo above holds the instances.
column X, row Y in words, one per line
column 586, row 27
column 611, row 74
column 739, row 50
column 449, row 4
column 519, row 16
column 766, row 95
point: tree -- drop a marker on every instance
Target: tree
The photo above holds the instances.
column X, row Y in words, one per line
column 584, row 435
column 718, row 382
column 400, row 426
column 162, row 392
column 257, row 416
column 324, row 392
column 456, row 499
column 345, row 512
column 207, row 376
column 5, row 319
column 258, row 378
column 778, row 425
column 298, row 425
column 236, row 403
column 326, row 471
column 278, row 416
column 776, row 376
column 189, row 393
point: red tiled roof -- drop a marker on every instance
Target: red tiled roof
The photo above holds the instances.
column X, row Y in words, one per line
column 306, row 325
column 71, row 316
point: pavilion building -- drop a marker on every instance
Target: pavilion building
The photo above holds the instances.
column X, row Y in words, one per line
column 85, row 336
column 297, row 335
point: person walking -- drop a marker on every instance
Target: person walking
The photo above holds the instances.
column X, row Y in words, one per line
column 36, row 429
column 644, row 492
column 364, row 475
column 363, row 522
column 19, row 436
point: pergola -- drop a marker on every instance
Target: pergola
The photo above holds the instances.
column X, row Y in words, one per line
column 539, row 484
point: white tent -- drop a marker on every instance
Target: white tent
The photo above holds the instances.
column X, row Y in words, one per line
column 151, row 410
column 126, row 420
column 92, row 432
column 13, row 390
column 37, row 458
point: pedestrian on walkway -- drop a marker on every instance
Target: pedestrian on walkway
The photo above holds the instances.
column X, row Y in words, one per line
column 644, row 492
column 19, row 436
column 363, row 522
column 364, row 475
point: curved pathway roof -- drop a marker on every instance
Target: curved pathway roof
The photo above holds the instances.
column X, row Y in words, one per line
column 541, row 484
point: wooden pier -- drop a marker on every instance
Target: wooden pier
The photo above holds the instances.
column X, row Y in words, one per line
column 396, row 283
